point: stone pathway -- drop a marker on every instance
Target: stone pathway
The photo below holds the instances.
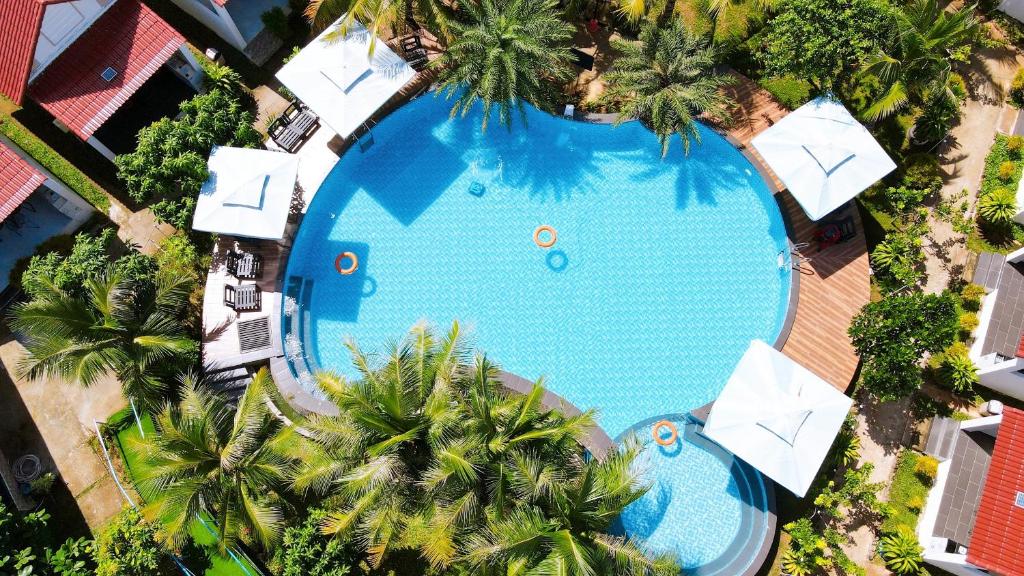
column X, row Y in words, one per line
column 54, row 421
column 963, row 161
column 139, row 228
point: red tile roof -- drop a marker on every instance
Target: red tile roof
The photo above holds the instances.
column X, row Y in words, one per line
column 18, row 179
column 19, row 28
column 1020, row 347
column 131, row 39
column 998, row 538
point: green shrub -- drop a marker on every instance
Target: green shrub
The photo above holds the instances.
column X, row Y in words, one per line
column 902, row 552
column 971, row 296
column 129, row 547
column 305, row 551
column 936, row 120
column 968, row 322
column 1007, row 170
column 998, row 207
column 916, row 504
column 1014, row 144
column 899, row 257
column 791, row 92
column 89, row 255
column 958, row 86
column 921, row 171
column 1017, row 89
column 276, row 21
column 926, row 469
column 958, row 373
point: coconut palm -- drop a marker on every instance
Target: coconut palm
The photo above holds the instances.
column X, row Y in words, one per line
column 667, row 80
column 918, row 68
column 562, row 527
column 208, row 459
column 379, row 15
column 505, row 53
column 130, row 329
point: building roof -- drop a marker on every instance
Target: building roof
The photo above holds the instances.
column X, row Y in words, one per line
column 130, row 39
column 1006, row 326
column 998, row 536
column 19, row 28
column 18, row 179
column 961, row 496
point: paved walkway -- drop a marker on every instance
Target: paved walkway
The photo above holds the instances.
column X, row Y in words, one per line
column 963, row 162
column 835, row 283
column 54, row 421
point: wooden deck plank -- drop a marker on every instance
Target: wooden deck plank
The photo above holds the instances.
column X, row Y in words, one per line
column 835, row 283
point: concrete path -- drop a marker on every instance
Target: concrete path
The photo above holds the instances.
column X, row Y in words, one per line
column 54, row 420
column 963, row 161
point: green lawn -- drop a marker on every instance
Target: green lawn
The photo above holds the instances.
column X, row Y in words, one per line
column 202, row 534
column 907, row 493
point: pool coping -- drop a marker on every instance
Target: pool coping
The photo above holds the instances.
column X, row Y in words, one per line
column 762, row 547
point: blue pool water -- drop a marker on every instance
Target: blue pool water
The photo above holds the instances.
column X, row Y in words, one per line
column 663, row 271
column 704, row 505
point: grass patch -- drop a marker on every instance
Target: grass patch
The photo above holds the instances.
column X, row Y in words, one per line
column 998, row 239
column 54, row 162
column 907, row 493
column 202, row 531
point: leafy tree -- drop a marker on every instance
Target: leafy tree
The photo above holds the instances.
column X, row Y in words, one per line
column 918, row 68
column 853, row 494
column 806, row 553
column 209, row 459
column 305, row 551
column 823, row 42
column 902, row 552
column 132, row 331
column 667, row 79
column 505, row 52
column 431, row 455
column 89, row 256
column 169, row 162
column 129, row 547
column 893, row 334
column 998, row 206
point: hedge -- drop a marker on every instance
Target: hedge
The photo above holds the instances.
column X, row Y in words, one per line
column 55, row 163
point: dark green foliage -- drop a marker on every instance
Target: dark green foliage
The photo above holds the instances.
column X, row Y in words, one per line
column 921, row 171
column 277, row 22
column 69, row 268
column 27, row 548
column 893, row 334
column 506, row 53
column 129, row 547
column 823, row 42
column 1016, row 96
column 169, row 163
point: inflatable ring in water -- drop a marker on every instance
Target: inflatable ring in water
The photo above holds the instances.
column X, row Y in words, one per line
column 351, row 268
column 553, row 236
column 665, row 440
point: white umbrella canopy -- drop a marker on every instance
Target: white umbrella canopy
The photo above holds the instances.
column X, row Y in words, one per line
column 248, row 193
column 339, row 80
column 777, row 416
column 823, row 155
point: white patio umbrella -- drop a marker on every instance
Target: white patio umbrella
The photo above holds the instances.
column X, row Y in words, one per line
column 341, row 81
column 823, row 155
column 777, row 416
column 248, row 193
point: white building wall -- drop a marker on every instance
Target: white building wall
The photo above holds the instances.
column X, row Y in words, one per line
column 215, row 18
column 1003, row 377
column 62, row 24
column 955, row 564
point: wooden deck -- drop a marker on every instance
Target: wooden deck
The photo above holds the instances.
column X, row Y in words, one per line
column 835, row 283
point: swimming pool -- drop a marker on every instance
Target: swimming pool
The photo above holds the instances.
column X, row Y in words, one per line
column 705, row 505
column 663, row 271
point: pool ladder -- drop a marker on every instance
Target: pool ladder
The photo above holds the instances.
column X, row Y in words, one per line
column 795, row 258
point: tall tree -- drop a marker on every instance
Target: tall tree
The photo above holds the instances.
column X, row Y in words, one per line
column 824, row 42
column 505, row 53
column 667, row 79
column 379, row 15
column 129, row 329
column 207, row 458
column 918, row 68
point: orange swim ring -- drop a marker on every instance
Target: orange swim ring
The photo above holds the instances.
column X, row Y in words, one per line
column 552, row 236
column 351, row 267
column 665, row 440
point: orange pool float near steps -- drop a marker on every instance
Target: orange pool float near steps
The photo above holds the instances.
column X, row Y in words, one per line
column 544, row 228
column 665, row 440
column 351, row 267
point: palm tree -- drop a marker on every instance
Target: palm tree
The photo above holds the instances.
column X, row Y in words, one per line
column 561, row 527
column 207, row 459
column 918, row 68
column 666, row 80
column 429, row 446
column 130, row 329
column 380, row 15
column 506, row 52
